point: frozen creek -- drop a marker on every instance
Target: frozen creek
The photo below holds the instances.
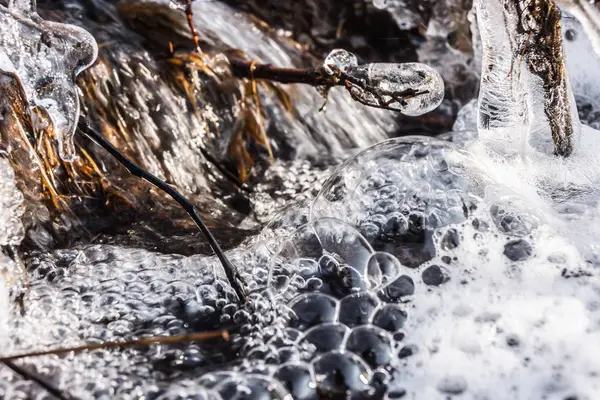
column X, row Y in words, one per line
column 464, row 266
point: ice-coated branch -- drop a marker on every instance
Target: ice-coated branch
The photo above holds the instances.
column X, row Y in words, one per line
column 191, row 337
column 411, row 88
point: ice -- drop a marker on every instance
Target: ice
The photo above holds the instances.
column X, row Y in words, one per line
column 581, row 60
column 11, row 207
column 177, row 4
column 46, row 56
column 411, row 88
column 340, row 59
column 588, row 15
column 11, row 234
column 523, row 82
column 460, row 266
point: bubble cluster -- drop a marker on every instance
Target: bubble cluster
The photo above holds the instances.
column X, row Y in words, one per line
column 411, row 258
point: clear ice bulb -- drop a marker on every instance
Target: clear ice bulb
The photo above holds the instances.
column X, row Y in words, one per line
column 340, row 59
column 390, row 86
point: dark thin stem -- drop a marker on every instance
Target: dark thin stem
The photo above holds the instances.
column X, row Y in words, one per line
column 192, row 337
column 233, row 275
column 49, row 387
column 234, row 179
column 313, row 77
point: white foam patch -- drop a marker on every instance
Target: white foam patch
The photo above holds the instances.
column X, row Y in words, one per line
column 528, row 329
column 507, row 330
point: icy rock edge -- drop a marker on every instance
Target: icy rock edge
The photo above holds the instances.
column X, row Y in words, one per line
column 46, row 56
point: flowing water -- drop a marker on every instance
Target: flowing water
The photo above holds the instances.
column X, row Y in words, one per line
column 463, row 266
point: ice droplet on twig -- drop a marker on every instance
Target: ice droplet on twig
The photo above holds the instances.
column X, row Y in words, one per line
column 46, row 56
column 411, row 88
column 340, row 59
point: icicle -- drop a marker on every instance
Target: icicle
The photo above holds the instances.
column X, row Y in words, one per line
column 46, row 56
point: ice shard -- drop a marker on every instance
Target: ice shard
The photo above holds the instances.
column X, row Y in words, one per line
column 46, row 56
column 524, row 82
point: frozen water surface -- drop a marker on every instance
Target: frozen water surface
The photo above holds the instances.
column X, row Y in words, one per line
column 459, row 267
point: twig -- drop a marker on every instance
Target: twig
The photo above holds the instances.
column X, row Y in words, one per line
column 313, row 77
column 259, row 119
column 43, row 382
column 192, row 337
column 235, row 280
column 318, row 77
column 189, row 14
column 234, row 179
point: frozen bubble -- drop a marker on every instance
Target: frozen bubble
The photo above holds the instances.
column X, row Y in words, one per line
column 390, row 317
column 411, row 88
column 357, row 308
column 46, row 56
column 383, row 268
column 340, row 59
column 372, row 344
column 340, row 372
column 435, row 184
column 518, row 250
column 313, row 309
column 434, row 275
column 327, row 255
column 419, row 169
column 298, row 380
column 252, row 387
column 326, row 337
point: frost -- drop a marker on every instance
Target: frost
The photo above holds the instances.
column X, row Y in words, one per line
column 46, row 56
